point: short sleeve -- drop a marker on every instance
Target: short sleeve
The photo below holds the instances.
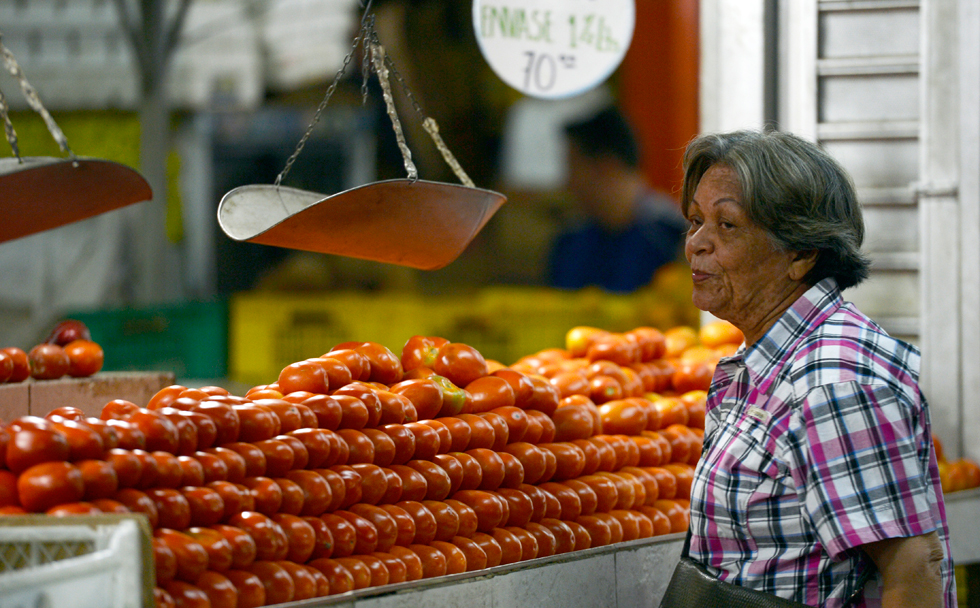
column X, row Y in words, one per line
column 865, row 479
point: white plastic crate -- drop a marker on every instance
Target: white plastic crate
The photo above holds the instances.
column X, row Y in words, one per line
column 102, row 561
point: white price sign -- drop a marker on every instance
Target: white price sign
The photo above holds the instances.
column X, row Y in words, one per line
column 553, row 48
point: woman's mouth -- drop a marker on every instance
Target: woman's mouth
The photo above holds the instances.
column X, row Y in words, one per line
column 699, row 276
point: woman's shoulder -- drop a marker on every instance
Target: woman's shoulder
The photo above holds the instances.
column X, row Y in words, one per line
column 849, row 347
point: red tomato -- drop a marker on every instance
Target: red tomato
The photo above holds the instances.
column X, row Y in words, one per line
column 206, row 505
column 455, row 469
column 186, row 595
column 192, row 557
column 279, row 586
column 475, row 556
column 45, row 485
column 532, row 459
column 426, row 526
column 327, row 410
column 354, row 412
column 352, row 485
column 300, row 535
column 385, row 525
column 455, row 557
column 48, row 362
column 403, row 440
column 383, row 446
column 85, row 358
column 489, row 392
column 468, row 520
column 547, row 426
column 544, row 396
column 367, row 534
column 138, row 502
column 242, row 545
column 433, row 561
column 318, row 444
column 251, row 591
column 520, row 508
column 511, row 547
column 173, row 508
column 339, row 578
column 164, row 561
column 256, row 422
column 221, row 592
column 386, row 367
column 317, row 494
column 437, row 481
column 428, row 441
column 404, row 524
column 571, row 503
column 270, row 539
column 73, row 508
column 225, row 419
column 266, row 494
column 301, row 456
column 343, row 533
column 491, row 547
column 413, row 484
column 99, row 478
column 539, row 500
column 31, row 446
column 570, row 457
column 492, row 466
column 306, row 376
column 460, row 363
column 420, row 351
column 489, row 508
column 367, row 395
column 425, row 394
column 161, row 434
column 21, row 368
column 278, row 457
column 322, row 538
column 338, row 374
column 253, row 457
column 547, row 543
column 356, row 362
column 338, row 487
column 460, row 432
column 219, row 548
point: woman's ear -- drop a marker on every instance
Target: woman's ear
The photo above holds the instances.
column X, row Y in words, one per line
column 803, row 262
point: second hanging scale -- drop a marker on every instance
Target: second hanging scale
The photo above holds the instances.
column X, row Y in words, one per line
column 409, row 222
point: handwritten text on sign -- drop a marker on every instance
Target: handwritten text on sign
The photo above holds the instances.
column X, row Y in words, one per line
column 553, row 48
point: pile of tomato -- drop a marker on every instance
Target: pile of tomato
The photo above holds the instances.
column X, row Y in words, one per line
column 363, row 468
column 68, row 350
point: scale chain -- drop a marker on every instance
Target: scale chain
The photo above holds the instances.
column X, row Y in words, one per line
column 33, row 100
column 8, row 128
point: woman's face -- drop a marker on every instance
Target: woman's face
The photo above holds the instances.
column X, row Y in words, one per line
column 738, row 275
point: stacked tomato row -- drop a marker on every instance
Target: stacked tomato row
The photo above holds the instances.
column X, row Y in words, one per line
column 68, row 350
column 362, row 468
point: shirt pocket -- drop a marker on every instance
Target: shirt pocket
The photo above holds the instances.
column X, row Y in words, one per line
column 743, row 472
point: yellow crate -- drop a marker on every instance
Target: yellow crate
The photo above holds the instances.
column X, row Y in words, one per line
column 270, row 330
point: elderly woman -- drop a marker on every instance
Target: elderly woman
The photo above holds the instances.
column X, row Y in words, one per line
column 818, row 478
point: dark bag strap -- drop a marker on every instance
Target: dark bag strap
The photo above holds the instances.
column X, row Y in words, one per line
column 863, row 579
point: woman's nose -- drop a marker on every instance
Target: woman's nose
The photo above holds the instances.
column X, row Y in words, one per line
column 696, row 242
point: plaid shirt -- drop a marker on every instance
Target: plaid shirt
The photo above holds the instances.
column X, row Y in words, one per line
column 817, row 441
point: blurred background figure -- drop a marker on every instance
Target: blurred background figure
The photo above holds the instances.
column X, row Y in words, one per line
column 626, row 230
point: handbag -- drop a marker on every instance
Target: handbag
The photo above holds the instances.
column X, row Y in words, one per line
column 692, row 586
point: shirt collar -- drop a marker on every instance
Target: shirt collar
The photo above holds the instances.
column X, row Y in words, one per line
column 764, row 358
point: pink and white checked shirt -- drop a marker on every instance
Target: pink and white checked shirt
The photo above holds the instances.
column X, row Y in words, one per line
column 817, row 441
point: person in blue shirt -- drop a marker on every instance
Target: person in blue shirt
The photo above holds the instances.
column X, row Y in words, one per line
column 628, row 230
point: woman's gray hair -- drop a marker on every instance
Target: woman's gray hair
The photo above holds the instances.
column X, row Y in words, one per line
column 795, row 191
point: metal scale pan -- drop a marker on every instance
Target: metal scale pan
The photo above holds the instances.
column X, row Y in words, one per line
column 421, row 224
column 40, row 193
column 409, row 222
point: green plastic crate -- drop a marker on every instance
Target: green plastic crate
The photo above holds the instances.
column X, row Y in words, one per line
column 189, row 339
